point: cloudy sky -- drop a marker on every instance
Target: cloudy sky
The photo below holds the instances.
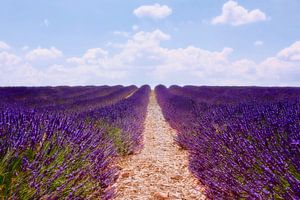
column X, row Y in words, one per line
column 93, row 42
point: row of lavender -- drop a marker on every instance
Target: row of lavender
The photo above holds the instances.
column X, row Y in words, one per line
column 244, row 143
column 63, row 98
column 61, row 142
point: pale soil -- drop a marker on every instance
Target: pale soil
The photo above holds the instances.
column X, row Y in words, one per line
column 129, row 95
column 160, row 170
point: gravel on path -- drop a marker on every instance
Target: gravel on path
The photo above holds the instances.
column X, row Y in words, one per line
column 160, row 170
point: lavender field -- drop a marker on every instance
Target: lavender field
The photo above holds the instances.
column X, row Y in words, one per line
column 244, row 142
column 150, row 100
column 61, row 142
column 67, row 142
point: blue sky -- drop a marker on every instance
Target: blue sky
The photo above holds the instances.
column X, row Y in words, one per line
column 208, row 42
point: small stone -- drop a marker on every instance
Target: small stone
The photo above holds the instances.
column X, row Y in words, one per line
column 125, row 175
column 135, row 191
column 119, row 167
column 160, row 196
column 176, row 177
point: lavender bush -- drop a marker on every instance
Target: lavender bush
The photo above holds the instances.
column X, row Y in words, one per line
column 127, row 117
column 243, row 142
column 48, row 148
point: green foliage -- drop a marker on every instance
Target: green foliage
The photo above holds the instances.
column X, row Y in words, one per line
column 15, row 182
column 10, row 165
column 278, row 197
column 240, row 179
column 294, row 172
column 114, row 134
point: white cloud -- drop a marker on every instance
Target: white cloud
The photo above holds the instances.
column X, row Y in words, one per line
column 94, row 56
column 135, row 27
column 236, row 15
column 155, row 36
column 142, row 59
column 83, row 75
column 95, row 53
column 155, row 11
column 121, row 33
column 44, row 54
column 291, row 53
column 258, row 43
column 25, row 48
column 7, row 59
column 46, row 22
column 4, row 46
column 14, row 71
column 21, row 75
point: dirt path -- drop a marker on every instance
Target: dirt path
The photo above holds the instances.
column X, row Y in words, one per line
column 160, row 171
